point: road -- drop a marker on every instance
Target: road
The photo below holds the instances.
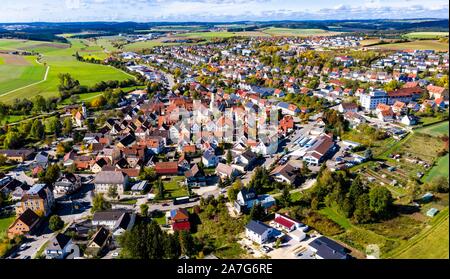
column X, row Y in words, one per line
column 169, row 77
column 308, row 184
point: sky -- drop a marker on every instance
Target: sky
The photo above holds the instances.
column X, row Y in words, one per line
column 217, row 10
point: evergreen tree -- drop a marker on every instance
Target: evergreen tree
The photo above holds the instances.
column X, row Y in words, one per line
column 285, row 198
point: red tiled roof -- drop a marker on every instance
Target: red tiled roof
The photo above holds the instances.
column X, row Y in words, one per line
column 166, row 167
column 181, row 226
column 284, row 222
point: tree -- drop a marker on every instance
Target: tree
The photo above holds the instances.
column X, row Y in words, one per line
column 51, row 174
column 229, row 157
column 438, row 184
column 55, row 223
column 285, row 198
column 144, row 209
column 3, row 160
column 257, row 212
column 112, row 192
column 99, row 203
column 177, row 73
column 362, row 212
column 98, row 102
column 37, row 130
column 68, row 125
column 148, row 174
column 160, row 187
column 54, row 126
column 234, row 190
column 186, row 243
column 380, row 201
column 305, row 171
column 12, row 140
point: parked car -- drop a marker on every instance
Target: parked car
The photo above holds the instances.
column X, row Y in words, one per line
column 24, row 246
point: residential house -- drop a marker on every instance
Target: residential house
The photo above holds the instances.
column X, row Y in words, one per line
column 325, row 248
column 99, row 241
column 247, row 198
column 179, row 219
column 347, row 107
column 104, row 180
column 24, row 224
column 195, row 177
column 68, row 183
column 386, row 115
column 116, row 220
column 258, row 232
column 436, row 92
column 41, row 159
column 59, row 246
column 209, row 159
column 17, row 155
column 166, row 168
column 39, row 199
column 285, row 174
column 409, row 120
column 286, row 124
column 245, row 160
column 226, row 171
column 286, row 223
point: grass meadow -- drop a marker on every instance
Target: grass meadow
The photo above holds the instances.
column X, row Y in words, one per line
column 60, row 59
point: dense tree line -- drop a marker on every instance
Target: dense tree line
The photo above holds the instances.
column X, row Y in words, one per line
column 147, row 241
column 69, row 86
column 351, row 197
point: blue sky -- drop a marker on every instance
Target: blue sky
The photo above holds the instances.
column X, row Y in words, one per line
column 216, row 10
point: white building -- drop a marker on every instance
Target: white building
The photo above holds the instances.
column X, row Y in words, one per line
column 258, row 231
column 370, row 101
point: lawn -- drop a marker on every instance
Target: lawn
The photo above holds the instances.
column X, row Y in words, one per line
column 426, row 35
column 16, row 76
column 160, row 218
column 435, row 130
column 221, row 234
column 174, row 188
column 4, row 224
column 224, row 34
column 273, row 31
column 336, row 217
column 11, row 119
column 146, row 44
column 60, row 60
column 440, row 169
column 432, row 243
column 419, row 45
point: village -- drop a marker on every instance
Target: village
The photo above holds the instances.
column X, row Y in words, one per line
column 235, row 127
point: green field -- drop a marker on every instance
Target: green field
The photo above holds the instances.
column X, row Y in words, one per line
column 4, row 224
column 17, row 76
column 431, row 243
column 60, row 60
column 146, row 44
column 440, row 169
column 435, row 130
column 224, row 34
column 426, row 35
column 11, row 119
column 419, row 45
column 273, row 31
